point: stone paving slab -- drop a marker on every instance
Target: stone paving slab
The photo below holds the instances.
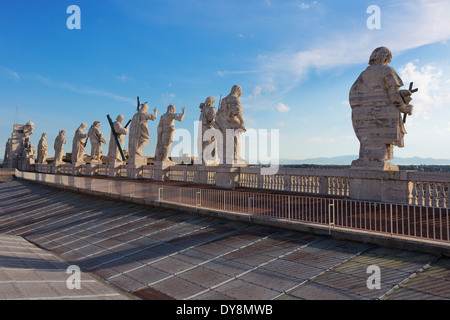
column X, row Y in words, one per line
column 30, row 273
column 160, row 254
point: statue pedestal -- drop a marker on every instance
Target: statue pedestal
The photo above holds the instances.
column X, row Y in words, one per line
column 380, row 186
column 373, row 166
column 77, row 168
column 56, row 167
column 227, row 177
column 113, row 169
column 92, row 168
column 161, row 169
column 135, row 167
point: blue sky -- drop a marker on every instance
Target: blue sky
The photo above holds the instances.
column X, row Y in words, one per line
column 295, row 60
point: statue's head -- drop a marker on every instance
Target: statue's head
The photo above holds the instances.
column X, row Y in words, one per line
column 44, row 135
column 83, row 126
column 381, row 55
column 120, row 118
column 96, row 124
column 144, row 108
column 210, row 101
column 171, row 109
column 236, row 91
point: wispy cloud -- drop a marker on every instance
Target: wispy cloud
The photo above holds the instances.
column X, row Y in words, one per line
column 10, row 73
column 431, row 95
column 225, row 73
column 282, row 107
column 321, row 140
column 84, row 90
column 307, row 5
column 124, row 78
column 258, row 91
column 427, row 23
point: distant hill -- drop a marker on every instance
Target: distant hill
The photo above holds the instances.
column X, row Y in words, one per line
column 347, row 160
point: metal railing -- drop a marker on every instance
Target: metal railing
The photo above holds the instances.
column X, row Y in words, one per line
column 413, row 221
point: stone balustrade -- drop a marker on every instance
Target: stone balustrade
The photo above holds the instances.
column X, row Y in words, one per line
column 402, row 187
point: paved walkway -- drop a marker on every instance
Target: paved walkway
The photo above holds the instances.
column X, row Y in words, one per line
column 154, row 253
column 30, row 273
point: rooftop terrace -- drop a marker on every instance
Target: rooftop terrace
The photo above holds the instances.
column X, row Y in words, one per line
column 127, row 250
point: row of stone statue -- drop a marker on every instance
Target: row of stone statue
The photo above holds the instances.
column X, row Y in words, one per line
column 379, row 111
column 229, row 116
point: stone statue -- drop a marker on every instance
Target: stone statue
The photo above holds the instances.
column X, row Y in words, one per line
column 377, row 106
column 28, row 153
column 230, row 122
column 28, row 129
column 15, row 152
column 79, row 145
column 96, row 138
column 7, row 151
column 113, row 152
column 207, row 144
column 60, row 141
column 42, row 150
column 139, row 134
column 166, row 134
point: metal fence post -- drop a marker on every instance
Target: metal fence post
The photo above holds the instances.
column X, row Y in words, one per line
column 250, row 205
column 198, row 201
column 330, row 221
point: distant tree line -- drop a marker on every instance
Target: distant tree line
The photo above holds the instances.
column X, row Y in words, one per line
column 420, row 168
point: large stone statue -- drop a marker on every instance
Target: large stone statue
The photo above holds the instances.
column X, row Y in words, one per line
column 42, row 151
column 60, row 141
column 377, row 104
column 139, row 134
column 207, row 143
column 15, row 148
column 28, row 154
column 96, row 138
column 7, row 152
column 79, row 145
column 166, row 134
column 114, row 152
column 230, row 122
column 28, row 129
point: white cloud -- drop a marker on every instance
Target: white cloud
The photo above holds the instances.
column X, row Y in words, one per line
column 168, row 98
column 321, row 140
column 427, row 23
column 282, row 107
column 260, row 90
column 84, row 90
column 428, row 80
column 10, row 73
column 233, row 72
column 124, row 78
column 305, row 5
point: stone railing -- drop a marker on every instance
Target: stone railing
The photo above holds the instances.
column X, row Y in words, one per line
column 402, row 187
column 430, row 189
column 308, row 181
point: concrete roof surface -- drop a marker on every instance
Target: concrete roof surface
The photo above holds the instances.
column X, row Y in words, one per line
column 130, row 251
